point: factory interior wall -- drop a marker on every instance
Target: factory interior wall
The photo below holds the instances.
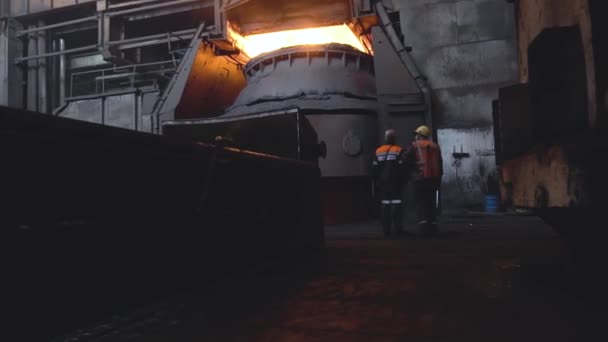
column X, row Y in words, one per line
column 467, row 49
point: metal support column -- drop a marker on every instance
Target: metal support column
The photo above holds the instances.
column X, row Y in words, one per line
column 42, row 72
column 4, row 55
column 32, row 71
column 62, row 71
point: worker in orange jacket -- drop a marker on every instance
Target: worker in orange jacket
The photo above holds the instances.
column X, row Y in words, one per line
column 425, row 155
column 389, row 177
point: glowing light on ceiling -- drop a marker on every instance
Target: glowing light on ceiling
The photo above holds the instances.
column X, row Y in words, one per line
column 257, row 44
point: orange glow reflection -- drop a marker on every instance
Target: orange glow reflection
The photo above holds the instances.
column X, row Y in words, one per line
column 258, row 44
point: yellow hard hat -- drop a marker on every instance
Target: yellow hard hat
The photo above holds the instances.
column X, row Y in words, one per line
column 424, row 131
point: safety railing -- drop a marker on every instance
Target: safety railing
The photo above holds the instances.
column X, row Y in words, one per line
column 120, row 78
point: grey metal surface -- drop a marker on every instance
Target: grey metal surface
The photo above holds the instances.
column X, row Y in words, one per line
column 351, row 140
column 90, row 110
column 207, row 3
column 11, row 78
column 86, row 60
column 129, row 110
column 333, row 85
column 329, row 77
column 122, row 111
column 43, row 105
column 401, row 104
column 467, row 50
column 32, row 73
column 4, row 58
column 407, row 60
column 57, row 25
column 62, row 72
column 28, row 7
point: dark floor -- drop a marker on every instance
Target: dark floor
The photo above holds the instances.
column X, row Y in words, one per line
column 485, row 278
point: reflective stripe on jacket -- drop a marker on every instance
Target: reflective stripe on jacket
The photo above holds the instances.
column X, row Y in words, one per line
column 388, row 169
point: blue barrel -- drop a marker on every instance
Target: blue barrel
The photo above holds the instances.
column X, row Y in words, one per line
column 491, row 203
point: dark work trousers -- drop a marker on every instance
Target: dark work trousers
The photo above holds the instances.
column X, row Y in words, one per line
column 426, row 211
column 391, row 212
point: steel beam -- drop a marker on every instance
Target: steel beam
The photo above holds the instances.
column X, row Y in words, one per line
column 42, row 72
column 133, row 3
column 57, row 53
column 151, row 7
column 62, row 72
column 52, row 26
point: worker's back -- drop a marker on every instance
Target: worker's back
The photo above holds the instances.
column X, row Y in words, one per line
column 388, row 167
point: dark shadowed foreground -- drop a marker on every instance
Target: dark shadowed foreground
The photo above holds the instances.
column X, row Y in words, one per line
column 485, row 278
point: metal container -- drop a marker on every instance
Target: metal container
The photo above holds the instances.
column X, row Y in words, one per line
column 333, row 86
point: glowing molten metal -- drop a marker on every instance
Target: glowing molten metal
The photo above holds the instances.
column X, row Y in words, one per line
column 258, row 44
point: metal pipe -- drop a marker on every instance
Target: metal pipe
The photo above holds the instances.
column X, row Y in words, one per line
column 123, row 46
column 151, row 37
column 32, row 74
column 54, row 75
column 4, row 63
column 126, row 68
column 47, row 27
column 42, row 73
column 132, row 3
column 57, row 53
column 407, row 61
column 151, row 7
column 62, row 74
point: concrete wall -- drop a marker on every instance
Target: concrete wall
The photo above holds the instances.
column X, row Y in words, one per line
column 467, row 49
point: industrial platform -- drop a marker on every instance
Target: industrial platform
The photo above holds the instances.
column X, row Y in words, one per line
column 485, row 278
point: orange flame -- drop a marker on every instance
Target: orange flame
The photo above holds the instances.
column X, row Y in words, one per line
column 258, row 44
